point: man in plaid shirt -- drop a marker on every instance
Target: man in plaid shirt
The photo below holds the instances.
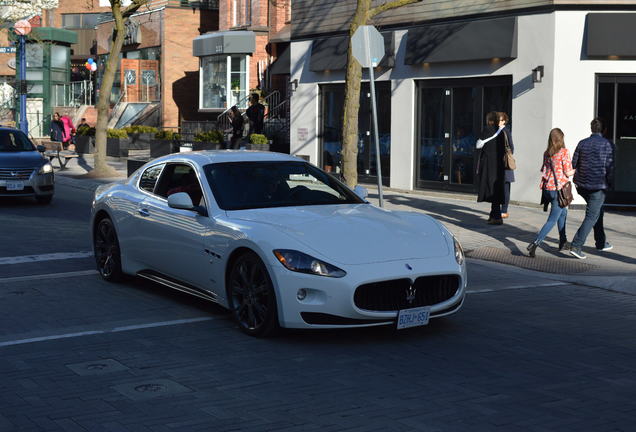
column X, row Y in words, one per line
column 594, row 164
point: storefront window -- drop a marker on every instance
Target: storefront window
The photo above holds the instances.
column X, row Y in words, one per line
column 59, row 56
column 220, row 89
column 332, row 98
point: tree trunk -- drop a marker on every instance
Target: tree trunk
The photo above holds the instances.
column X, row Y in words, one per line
column 364, row 13
column 102, row 169
column 352, row 101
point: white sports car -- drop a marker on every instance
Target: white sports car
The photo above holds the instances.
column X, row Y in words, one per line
column 277, row 241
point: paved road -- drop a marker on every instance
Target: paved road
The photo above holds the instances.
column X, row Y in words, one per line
column 526, row 353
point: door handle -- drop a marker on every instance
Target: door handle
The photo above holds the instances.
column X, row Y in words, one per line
column 144, row 212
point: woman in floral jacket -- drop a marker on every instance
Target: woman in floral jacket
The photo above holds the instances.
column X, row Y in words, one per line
column 556, row 162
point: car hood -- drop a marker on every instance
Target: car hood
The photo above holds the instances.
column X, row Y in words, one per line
column 26, row 159
column 355, row 234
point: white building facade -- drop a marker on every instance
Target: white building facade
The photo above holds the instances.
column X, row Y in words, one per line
column 552, row 67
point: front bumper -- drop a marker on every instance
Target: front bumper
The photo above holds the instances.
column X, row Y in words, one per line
column 330, row 303
column 26, row 182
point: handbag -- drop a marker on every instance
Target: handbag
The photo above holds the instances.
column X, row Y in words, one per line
column 509, row 160
column 564, row 194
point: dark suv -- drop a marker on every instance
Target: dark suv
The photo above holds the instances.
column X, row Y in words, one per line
column 24, row 171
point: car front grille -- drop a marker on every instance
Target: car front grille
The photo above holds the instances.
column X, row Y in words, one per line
column 15, row 173
column 393, row 295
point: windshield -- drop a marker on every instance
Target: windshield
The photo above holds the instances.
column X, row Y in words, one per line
column 249, row 185
column 14, row 141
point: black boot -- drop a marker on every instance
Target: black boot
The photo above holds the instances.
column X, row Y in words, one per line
column 532, row 247
column 562, row 242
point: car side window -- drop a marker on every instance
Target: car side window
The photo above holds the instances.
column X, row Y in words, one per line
column 149, row 178
column 180, row 178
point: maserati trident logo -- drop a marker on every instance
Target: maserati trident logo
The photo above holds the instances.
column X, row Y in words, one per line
column 410, row 294
column 14, row 174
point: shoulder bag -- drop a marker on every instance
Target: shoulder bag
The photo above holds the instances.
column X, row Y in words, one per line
column 509, row 160
column 565, row 193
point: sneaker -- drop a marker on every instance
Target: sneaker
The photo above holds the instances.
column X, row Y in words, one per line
column 532, row 247
column 607, row 247
column 577, row 252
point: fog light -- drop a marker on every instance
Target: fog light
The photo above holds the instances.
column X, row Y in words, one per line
column 301, row 294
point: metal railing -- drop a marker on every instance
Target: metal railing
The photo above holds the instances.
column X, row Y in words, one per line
column 74, row 94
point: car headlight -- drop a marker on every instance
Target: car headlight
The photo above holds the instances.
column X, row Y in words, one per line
column 459, row 252
column 303, row 263
column 46, row 168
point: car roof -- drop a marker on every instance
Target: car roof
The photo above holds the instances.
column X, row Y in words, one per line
column 206, row 157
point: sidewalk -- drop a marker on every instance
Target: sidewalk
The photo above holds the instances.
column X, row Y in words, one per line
column 505, row 244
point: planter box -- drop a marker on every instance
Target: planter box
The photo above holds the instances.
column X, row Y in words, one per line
column 134, row 164
column 117, row 147
column 162, row 147
column 141, row 141
column 204, row 145
column 84, row 144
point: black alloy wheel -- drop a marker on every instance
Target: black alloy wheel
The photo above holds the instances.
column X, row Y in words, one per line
column 251, row 296
column 106, row 249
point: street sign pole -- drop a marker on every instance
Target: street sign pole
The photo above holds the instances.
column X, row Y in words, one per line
column 368, row 48
column 374, row 111
column 23, row 123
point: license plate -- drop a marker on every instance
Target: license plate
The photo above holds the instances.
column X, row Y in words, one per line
column 413, row 317
column 12, row 185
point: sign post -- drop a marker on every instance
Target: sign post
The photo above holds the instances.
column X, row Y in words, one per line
column 367, row 46
column 22, row 28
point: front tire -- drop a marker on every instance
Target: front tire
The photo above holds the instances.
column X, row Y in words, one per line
column 251, row 295
column 106, row 250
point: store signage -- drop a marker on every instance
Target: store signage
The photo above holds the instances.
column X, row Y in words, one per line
column 7, row 50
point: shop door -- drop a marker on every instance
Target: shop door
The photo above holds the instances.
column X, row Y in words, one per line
column 332, row 103
column 451, row 116
column 616, row 106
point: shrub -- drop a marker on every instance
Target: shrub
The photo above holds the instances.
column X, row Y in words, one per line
column 258, row 139
column 139, row 129
column 167, row 135
column 214, row 136
column 116, row 133
column 86, row 131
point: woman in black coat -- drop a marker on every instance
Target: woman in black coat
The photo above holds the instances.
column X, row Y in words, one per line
column 57, row 128
column 490, row 168
column 237, row 127
column 509, row 175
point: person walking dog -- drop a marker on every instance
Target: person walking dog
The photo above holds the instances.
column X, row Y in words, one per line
column 594, row 163
column 556, row 169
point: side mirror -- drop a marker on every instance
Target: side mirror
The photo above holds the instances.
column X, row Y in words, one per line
column 41, row 148
column 182, row 201
column 361, row 191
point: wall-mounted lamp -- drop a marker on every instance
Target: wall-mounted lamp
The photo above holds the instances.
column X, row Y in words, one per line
column 537, row 74
column 293, row 84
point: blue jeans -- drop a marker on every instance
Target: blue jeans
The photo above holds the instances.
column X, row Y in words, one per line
column 557, row 216
column 593, row 218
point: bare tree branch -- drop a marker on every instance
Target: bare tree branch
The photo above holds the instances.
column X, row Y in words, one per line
column 390, row 5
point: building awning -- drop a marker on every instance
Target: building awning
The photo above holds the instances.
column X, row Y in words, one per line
column 229, row 42
column 610, row 34
column 282, row 64
column 467, row 41
column 331, row 53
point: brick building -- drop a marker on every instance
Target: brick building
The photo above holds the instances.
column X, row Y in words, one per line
column 247, row 52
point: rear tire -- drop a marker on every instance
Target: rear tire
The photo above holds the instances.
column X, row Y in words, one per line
column 106, row 250
column 251, row 296
column 44, row 199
